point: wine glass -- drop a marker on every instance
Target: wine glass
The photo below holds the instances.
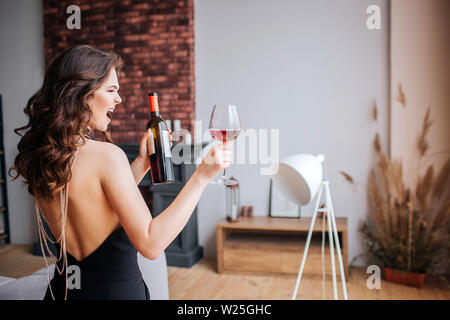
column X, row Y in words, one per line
column 224, row 125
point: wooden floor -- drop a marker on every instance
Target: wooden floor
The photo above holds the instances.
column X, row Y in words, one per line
column 203, row 282
column 18, row 261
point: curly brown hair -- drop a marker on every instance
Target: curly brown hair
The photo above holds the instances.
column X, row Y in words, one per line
column 59, row 116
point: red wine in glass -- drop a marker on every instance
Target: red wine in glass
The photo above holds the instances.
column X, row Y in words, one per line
column 225, row 135
column 224, row 126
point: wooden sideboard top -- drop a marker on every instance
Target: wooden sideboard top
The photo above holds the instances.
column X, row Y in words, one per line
column 279, row 224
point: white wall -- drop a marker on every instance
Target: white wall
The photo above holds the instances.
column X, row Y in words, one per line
column 308, row 68
column 420, row 53
column 21, row 75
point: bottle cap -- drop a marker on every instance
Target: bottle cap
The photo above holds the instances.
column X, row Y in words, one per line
column 153, row 99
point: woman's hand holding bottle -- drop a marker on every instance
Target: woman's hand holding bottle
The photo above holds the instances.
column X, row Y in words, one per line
column 144, row 152
column 143, row 145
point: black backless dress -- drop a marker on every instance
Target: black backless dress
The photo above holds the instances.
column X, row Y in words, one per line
column 110, row 272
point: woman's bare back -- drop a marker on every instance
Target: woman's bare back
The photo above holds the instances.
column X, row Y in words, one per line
column 90, row 217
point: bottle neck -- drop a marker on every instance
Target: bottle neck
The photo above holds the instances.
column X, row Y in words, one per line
column 154, row 107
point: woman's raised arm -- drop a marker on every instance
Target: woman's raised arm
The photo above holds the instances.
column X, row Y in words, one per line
column 152, row 236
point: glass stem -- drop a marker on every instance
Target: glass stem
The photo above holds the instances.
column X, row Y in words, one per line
column 225, row 170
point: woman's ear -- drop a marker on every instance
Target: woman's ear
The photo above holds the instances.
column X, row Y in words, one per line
column 87, row 100
column 89, row 96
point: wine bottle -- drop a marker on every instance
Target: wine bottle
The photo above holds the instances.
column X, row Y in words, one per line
column 161, row 166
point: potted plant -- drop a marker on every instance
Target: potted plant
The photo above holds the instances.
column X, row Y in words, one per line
column 407, row 227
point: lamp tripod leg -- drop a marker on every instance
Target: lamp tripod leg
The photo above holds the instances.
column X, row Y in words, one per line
column 338, row 247
column 308, row 240
column 330, row 238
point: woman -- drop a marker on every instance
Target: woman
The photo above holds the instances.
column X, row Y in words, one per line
column 100, row 223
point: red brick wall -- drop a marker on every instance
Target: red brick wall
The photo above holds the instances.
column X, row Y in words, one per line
column 155, row 38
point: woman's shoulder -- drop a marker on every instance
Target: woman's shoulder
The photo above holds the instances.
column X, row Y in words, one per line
column 105, row 154
column 103, row 148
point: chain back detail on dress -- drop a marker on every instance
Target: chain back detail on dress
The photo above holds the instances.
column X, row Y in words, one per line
column 43, row 236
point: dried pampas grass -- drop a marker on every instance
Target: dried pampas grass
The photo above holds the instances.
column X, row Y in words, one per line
column 407, row 227
column 374, row 111
column 377, row 212
column 403, row 229
column 377, row 144
column 347, row 177
column 401, row 96
column 397, row 178
column 423, row 188
column 422, row 143
column 442, row 180
column 442, row 214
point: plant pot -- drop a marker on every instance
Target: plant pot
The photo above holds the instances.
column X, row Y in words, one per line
column 404, row 277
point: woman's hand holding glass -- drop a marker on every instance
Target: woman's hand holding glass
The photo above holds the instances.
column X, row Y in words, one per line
column 216, row 160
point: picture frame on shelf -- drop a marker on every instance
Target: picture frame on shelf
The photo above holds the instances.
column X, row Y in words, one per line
column 280, row 206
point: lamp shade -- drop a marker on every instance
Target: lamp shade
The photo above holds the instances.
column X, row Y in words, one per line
column 299, row 177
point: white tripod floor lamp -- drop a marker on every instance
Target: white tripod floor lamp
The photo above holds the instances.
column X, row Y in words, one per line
column 300, row 177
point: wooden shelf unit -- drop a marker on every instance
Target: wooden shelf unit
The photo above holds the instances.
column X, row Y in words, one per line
column 265, row 245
